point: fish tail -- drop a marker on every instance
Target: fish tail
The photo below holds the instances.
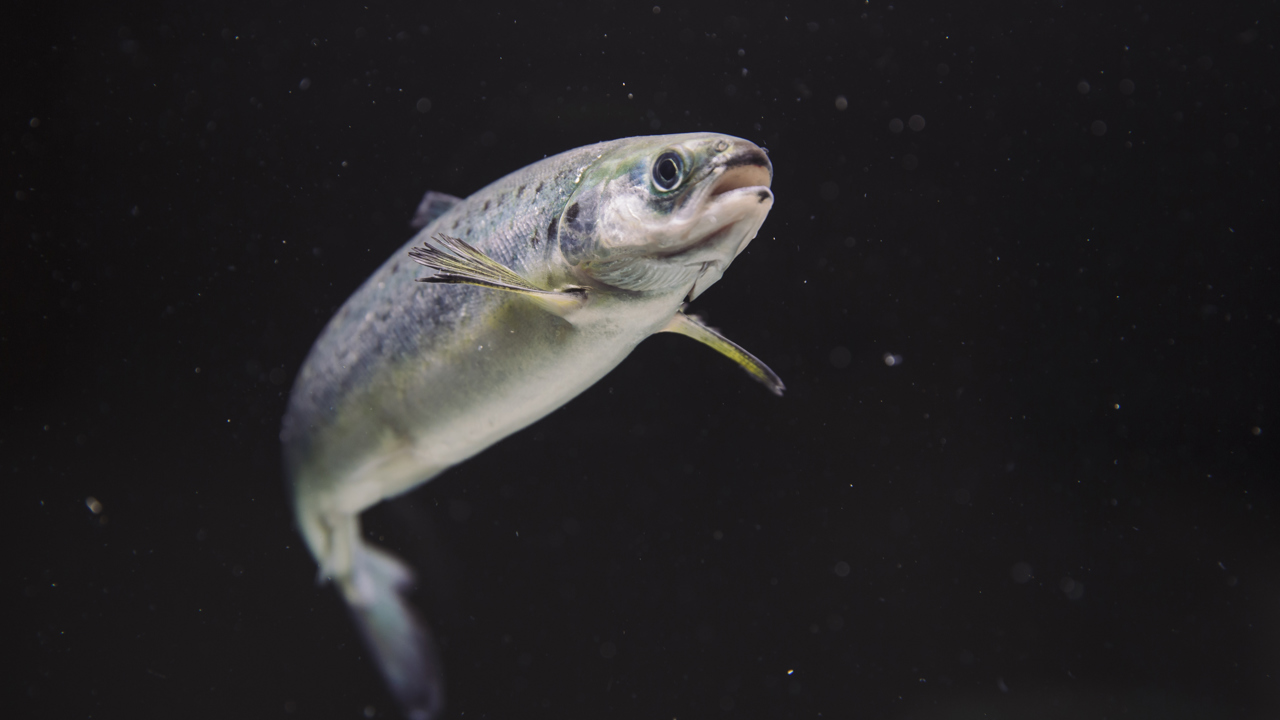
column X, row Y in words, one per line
column 400, row 643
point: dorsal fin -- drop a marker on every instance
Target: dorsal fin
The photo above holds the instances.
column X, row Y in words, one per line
column 433, row 205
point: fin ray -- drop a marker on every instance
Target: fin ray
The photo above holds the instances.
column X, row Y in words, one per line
column 457, row 262
column 690, row 326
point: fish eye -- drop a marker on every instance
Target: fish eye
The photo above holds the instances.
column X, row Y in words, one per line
column 667, row 171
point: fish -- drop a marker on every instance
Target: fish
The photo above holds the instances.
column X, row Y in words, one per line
column 540, row 284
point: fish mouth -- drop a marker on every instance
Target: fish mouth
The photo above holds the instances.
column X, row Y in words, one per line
column 742, row 176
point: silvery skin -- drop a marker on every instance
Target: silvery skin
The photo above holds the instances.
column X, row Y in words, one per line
column 543, row 282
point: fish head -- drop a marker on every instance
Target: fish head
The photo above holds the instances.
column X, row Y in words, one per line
column 663, row 213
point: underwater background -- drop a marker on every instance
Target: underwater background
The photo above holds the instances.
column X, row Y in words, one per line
column 1017, row 279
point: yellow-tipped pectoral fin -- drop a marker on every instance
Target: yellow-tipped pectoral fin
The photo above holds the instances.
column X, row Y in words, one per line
column 457, row 262
column 690, row 326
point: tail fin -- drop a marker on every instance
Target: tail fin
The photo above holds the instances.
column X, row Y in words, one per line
column 400, row 643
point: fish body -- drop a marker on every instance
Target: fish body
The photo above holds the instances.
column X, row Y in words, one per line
column 546, row 280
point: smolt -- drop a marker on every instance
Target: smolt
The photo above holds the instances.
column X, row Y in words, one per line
column 544, row 281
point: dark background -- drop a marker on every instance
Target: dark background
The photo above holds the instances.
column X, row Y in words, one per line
column 1063, row 499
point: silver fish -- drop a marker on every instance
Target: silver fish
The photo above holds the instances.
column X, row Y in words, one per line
column 544, row 281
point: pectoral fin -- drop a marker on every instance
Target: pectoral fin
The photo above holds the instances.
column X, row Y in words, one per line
column 690, row 326
column 457, row 262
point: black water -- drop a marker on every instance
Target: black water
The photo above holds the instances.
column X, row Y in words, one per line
column 1060, row 498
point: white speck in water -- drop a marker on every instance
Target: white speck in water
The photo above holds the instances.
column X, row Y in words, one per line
column 892, row 360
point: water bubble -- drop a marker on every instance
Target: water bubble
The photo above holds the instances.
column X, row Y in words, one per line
column 1082, row 87
column 304, row 84
column 1020, row 572
column 1072, row 588
column 916, row 123
column 1126, row 87
column 423, row 105
column 1098, row 128
column 840, row 357
column 895, row 126
column 841, row 569
column 892, row 360
column 842, row 103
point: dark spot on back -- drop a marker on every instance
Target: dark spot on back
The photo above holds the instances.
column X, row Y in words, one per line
column 520, row 190
column 537, row 189
column 571, row 213
column 395, row 266
column 455, row 224
column 551, row 231
column 534, row 240
column 486, row 206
